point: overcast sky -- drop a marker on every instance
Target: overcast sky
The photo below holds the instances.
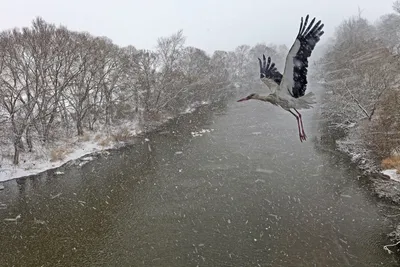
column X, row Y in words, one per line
column 207, row 24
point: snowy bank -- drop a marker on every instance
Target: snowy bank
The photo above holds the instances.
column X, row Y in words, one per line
column 195, row 106
column 53, row 156
column 32, row 166
column 68, row 150
column 384, row 183
column 352, row 145
column 393, row 175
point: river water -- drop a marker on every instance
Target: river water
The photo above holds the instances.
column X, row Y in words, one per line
column 246, row 193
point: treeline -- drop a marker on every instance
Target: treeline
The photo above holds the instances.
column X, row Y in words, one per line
column 360, row 74
column 55, row 83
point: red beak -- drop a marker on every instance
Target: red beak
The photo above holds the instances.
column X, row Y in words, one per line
column 243, row 99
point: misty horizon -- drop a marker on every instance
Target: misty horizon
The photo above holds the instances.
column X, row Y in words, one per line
column 207, row 25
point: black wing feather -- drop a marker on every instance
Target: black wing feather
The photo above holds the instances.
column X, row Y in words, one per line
column 269, row 71
column 308, row 39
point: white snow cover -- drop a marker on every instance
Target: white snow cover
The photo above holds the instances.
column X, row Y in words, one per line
column 392, row 173
column 40, row 159
column 34, row 166
column 194, row 106
column 352, row 145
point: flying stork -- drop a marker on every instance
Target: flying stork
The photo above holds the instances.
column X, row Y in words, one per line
column 288, row 90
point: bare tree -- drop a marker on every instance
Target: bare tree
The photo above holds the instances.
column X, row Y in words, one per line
column 19, row 95
column 169, row 50
column 193, row 75
column 61, row 72
column 144, row 66
column 83, row 92
column 128, row 93
column 396, row 6
column 114, row 67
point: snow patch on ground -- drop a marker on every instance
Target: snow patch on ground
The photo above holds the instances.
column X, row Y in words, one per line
column 31, row 165
column 392, row 173
column 194, row 106
column 352, row 145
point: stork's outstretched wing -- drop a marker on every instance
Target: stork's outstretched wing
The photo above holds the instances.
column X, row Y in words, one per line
column 295, row 73
column 269, row 74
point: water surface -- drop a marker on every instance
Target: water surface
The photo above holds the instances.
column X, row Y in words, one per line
column 246, row 193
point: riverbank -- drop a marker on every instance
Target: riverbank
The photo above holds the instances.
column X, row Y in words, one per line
column 80, row 149
column 384, row 183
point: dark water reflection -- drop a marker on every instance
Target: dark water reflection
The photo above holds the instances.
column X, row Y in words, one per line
column 246, row 194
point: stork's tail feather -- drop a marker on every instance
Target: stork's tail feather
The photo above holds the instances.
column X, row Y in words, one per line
column 306, row 101
column 309, row 98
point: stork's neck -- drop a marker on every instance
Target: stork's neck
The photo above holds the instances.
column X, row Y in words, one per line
column 265, row 98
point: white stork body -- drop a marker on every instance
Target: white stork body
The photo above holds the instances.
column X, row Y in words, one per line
column 288, row 90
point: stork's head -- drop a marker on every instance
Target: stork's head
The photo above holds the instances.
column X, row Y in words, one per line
column 252, row 96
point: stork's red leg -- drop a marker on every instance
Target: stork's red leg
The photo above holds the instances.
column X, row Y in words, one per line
column 298, row 126
column 301, row 123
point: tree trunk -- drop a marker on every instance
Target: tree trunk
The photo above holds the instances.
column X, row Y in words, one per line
column 29, row 139
column 21, row 146
column 108, row 108
column 79, row 127
column 108, row 114
column 16, row 150
column 46, row 132
column 92, row 121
